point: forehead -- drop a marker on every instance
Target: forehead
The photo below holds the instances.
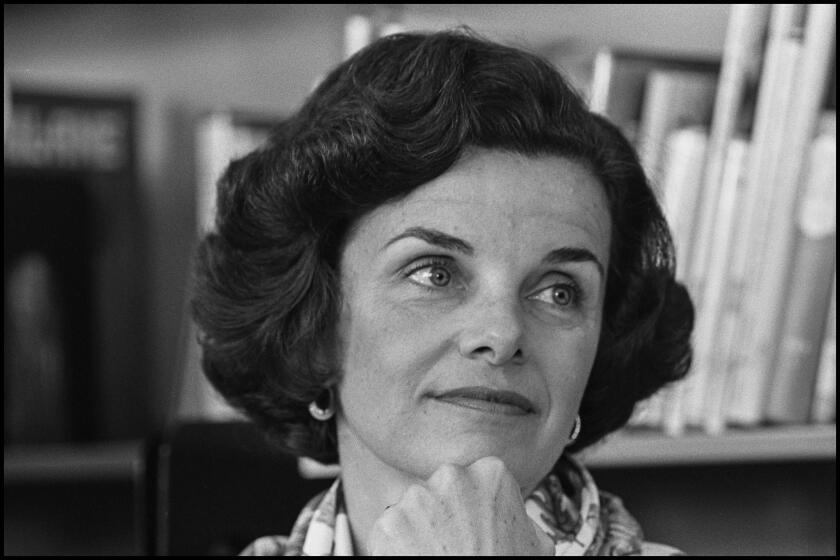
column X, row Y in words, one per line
column 500, row 197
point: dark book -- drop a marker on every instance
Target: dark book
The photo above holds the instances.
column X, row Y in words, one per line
column 73, row 271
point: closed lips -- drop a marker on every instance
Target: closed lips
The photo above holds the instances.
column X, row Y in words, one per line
column 479, row 395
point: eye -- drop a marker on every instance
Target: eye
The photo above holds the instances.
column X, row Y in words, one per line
column 435, row 275
column 431, row 273
column 560, row 295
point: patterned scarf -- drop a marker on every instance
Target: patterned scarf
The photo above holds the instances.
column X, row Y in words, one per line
column 566, row 505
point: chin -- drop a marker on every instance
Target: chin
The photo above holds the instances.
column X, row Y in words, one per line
column 519, row 462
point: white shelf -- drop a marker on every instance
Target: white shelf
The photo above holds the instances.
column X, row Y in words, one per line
column 651, row 448
column 787, row 443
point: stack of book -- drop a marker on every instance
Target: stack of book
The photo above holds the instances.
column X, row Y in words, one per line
column 74, row 260
column 743, row 157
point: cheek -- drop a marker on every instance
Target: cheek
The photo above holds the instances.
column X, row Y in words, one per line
column 568, row 359
column 381, row 354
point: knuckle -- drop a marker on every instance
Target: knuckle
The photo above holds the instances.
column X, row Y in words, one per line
column 391, row 522
column 446, row 475
column 383, row 525
column 493, row 473
column 492, row 466
column 414, row 494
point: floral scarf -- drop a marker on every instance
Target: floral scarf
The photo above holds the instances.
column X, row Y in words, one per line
column 580, row 519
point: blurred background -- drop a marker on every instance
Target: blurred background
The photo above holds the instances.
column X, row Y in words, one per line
column 118, row 119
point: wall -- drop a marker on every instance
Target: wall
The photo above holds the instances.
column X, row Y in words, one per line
column 180, row 60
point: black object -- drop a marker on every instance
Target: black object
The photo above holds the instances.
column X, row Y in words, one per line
column 74, row 270
column 213, row 487
column 50, row 379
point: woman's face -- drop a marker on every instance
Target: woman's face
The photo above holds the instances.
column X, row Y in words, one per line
column 471, row 316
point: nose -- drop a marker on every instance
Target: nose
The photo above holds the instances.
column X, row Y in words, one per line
column 493, row 332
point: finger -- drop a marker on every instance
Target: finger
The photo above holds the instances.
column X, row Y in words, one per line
column 448, row 478
column 489, row 468
column 492, row 473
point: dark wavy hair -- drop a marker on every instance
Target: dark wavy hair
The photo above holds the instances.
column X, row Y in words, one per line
column 396, row 115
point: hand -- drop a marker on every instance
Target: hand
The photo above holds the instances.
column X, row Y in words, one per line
column 474, row 510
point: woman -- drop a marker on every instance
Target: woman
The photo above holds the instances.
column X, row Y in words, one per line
column 447, row 275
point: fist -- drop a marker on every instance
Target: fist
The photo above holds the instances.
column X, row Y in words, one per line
column 473, row 510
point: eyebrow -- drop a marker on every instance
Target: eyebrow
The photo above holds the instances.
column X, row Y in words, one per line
column 573, row 254
column 437, row 238
column 446, row 241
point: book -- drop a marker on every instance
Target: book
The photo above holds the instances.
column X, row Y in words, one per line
column 793, row 378
column 740, row 69
column 709, row 368
column 36, row 374
column 824, row 405
column 358, row 33
column 673, row 99
column 74, row 261
column 648, row 413
column 684, row 156
column 221, row 136
column 772, row 251
column 619, row 77
column 370, row 22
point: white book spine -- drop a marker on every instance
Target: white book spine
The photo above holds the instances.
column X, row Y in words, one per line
column 685, row 152
column 647, row 413
column 358, row 33
column 601, row 77
column 824, row 408
column 709, row 363
column 741, row 61
column 673, row 420
column 214, row 139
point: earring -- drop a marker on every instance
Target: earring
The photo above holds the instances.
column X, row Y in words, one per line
column 575, row 430
column 322, row 414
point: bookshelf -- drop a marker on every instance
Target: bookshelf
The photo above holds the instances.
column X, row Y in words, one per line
column 166, row 161
column 785, row 443
column 636, row 448
column 122, row 460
